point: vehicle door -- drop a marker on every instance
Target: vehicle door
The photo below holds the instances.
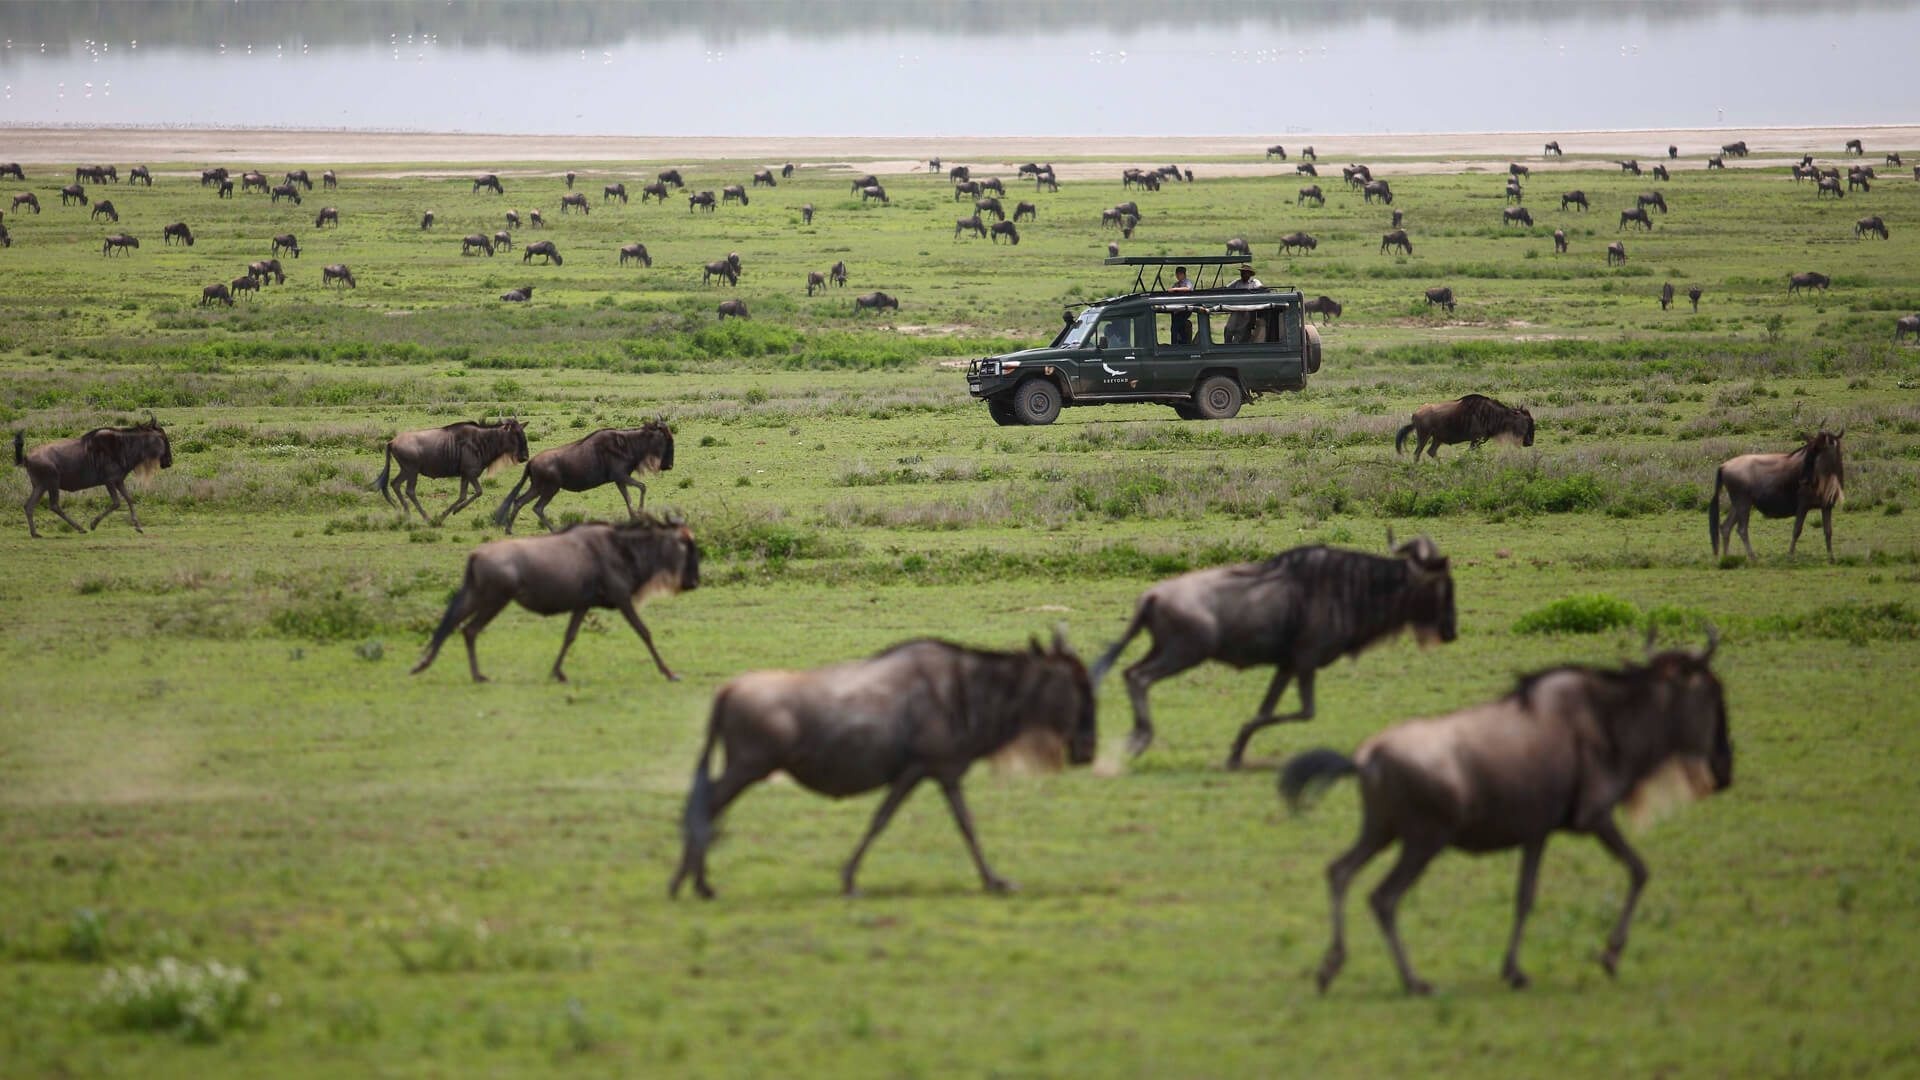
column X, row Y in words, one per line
column 1179, row 349
column 1122, row 353
column 1260, row 338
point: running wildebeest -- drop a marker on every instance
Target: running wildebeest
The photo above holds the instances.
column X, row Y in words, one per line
column 1559, row 241
column 1442, row 295
column 837, row 273
column 1297, row 240
column 608, row 456
column 1870, row 226
column 719, row 268
column 1779, row 485
column 503, row 241
column 488, row 182
column 576, row 200
column 73, row 193
column 1560, row 752
column 806, row 213
column 328, row 181
column 1616, row 254
column 1006, row 229
column 1278, row 151
column 1553, row 149
column 1377, row 189
column 1516, row 215
column 734, row 192
column 816, row 280
column 874, row 191
column 103, row 456
column 1666, row 296
column 286, row 191
column 876, row 301
column 119, row 242
column 1300, row 611
column 1324, row 306
column 1311, row 192
column 543, row 248
column 1396, row 238
column 1472, row 419
column 635, row 252
column 578, row 569
column 1906, row 324
column 216, row 291
column 326, row 214
column 732, row 309
column 1808, row 280
column 763, row 178
column 337, row 272
column 1693, row 294
column 700, row 200
column 27, row 199
column 1025, row 211
column 468, row 450
column 614, row 191
column 653, row 191
column 104, row 208
column 922, row 710
column 249, row 284
column 478, row 241
column 1638, row 215
column 286, row 242
column 969, row 224
column 265, row 268
column 671, row 176
column 521, row 295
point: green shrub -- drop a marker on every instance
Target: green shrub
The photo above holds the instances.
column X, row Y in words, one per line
column 1591, row 613
column 197, row 1002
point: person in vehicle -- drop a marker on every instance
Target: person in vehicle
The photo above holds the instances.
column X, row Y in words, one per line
column 1240, row 322
column 1247, row 280
column 1182, row 331
column 1181, row 283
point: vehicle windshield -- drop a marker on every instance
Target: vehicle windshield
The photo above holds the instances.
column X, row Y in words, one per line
column 1075, row 336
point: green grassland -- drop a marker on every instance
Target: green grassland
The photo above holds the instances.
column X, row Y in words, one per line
column 210, row 748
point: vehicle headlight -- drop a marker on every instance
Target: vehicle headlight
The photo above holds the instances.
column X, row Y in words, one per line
column 1005, row 366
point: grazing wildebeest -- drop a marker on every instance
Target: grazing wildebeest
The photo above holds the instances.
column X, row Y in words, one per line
column 922, row 710
column 719, row 268
column 239, row 285
column 1442, row 295
column 1870, row 226
column 990, row 206
column 959, row 174
column 816, row 280
column 1025, row 211
column 1311, row 192
column 250, row 181
column 1559, row 241
column 27, row 199
column 1666, row 296
column 1006, row 229
column 12, row 168
column 1377, row 189
column 468, row 450
column 1854, row 147
column 224, row 189
column 73, row 193
column 1693, row 294
column 286, row 191
column 534, row 220
column 1324, row 306
column 1904, row 325
column 732, row 309
column 653, row 191
column 1297, row 240
column 1719, row 162
column 876, row 301
column 874, row 191
column 213, row 176
column 326, row 214
column 866, row 181
column 575, row 200
column 580, row 568
column 1652, row 198
column 474, row 241
column 1305, row 168
column 1779, row 485
column 299, row 176
column 337, row 272
column 119, row 242
column 1278, row 151
column 1737, row 149
column 103, row 456
column 1855, row 180
column 503, row 241
column 786, row 171
column 1111, row 216
column 1553, row 149
column 1514, row 194
column 993, row 184
column 763, row 177
column 837, row 273
column 1516, row 215
column 177, row 231
column 1631, row 166
column 265, row 268
column 286, row 242
column 1046, row 180
column 1638, row 216
column 426, row 220
column 1396, row 238
column 1660, row 173
column 490, row 182
column 806, row 213
column 1893, row 159
column 969, row 224
column 733, row 192
column 104, row 208
column 672, row 177
column 570, row 178
column 1473, row 419
column 1808, row 280
column 328, row 181
column 1518, row 170
column 521, row 295
column 614, row 191
column 1300, row 611
column 636, row 252
column 1560, row 752
column 513, row 219
column 1616, row 254
column 608, row 456
column 1031, row 168
column 217, row 291
column 701, row 200
column 545, row 249
column 1355, row 176
column 1307, row 152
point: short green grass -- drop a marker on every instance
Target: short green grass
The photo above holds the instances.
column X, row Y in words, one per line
column 210, row 750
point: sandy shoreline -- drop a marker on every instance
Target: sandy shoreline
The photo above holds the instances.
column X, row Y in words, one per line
column 161, row 147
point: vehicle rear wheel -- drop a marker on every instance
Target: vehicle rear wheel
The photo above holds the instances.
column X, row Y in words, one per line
column 1036, row 401
column 1217, row 398
column 1002, row 412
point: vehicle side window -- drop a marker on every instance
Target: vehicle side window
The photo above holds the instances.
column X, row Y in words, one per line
column 1113, row 334
column 1264, row 326
column 1174, row 327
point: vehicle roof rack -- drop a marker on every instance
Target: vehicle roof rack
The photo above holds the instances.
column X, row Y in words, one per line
column 1160, row 262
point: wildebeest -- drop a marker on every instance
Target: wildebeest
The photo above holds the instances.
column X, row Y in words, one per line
column 1779, row 485
column 1719, row 162
column 488, row 182
column 733, row 192
column 635, row 252
column 1442, row 295
column 719, row 268
column 1904, row 325
column 1870, row 226
column 763, row 177
column 104, row 208
column 1559, row 241
column 337, row 272
column 1305, row 168
column 1616, row 254
column 1006, row 229
column 286, row 191
column 614, row 191
column 1377, row 189
column 732, row 309
column 1808, row 280
column 468, row 450
column 1113, row 251
column 1553, row 149
column 1673, row 152
column 1515, row 169
column 786, row 171
column 992, row 206
column 513, row 219
column 1299, row 611
column 1637, row 215
column 238, row 285
column 1830, row 186
column 816, row 280
column 27, row 199
column 1629, row 166
column 837, row 273
column 1472, row 419
column 1311, row 193
column 1660, row 173
column 1046, row 180
column 653, row 191
column 993, row 184
column 1025, row 211
column 575, row 200
column 73, row 193
column 268, row 268
column 1561, row 751
column 1893, row 159
column 1652, row 198
column 503, row 241
column 426, row 220
column 1308, row 152
column 877, row 301
column 1324, row 306
column 1666, row 296
column 921, row 710
column 608, row 456
column 285, row 242
column 251, row 181
column 103, row 456
column 326, row 214
column 328, row 181
column 570, row 177
column 1516, row 215
column 1858, row 180
column 700, row 200
column 580, row 568
column 1693, row 294
column 534, row 220
column 1514, row 193
column 866, row 181
column 1298, row 240
column 1854, row 147
column 874, row 191
column 543, row 248
column 1737, row 149
column 1396, row 238
column 1278, row 151
column 671, row 176
column 521, row 295
column 959, row 174
column 12, row 168
column 119, row 242
column 216, row 291
column 969, row 225
column 6, row 238
column 476, row 241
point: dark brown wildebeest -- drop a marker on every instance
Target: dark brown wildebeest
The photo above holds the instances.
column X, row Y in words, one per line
column 874, row 191
column 1693, row 294
column 1559, row 242
column 1006, row 229
column 1473, row 419
column 1311, row 193
column 27, row 199
column 479, row 241
column 866, row 181
column 635, row 252
column 1299, row 240
column 1514, row 169
column 1666, row 296
column 534, row 220
column 763, row 178
column 1854, row 147
column 1870, row 226
column 580, row 568
column 513, row 219
column 1305, row 168
column 1514, row 194
column 1552, row 149
column 73, row 193
column 1276, row 150
column 521, row 295
column 653, row 191
column 1516, row 215
column 1046, row 180
column 1324, row 306
column 990, row 206
column 958, row 174
column 1560, row 752
column 1300, row 611
column 993, row 184
column 1804, row 172
column 103, row 456
column 1377, row 189
column 806, row 213
column 140, row 174
column 614, row 191
column 1238, row 246
column 1112, row 216
column 701, row 200
column 248, row 284
column 837, row 273
column 1616, row 254
column 1025, row 211
column 12, row 168
column 210, row 177
column 816, row 280
column 119, row 242
column 1660, row 173
column 1809, row 280
column 268, row 268
column 1893, row 159
column 1307, row 152
column 875, row 301
column 1031, row 168
column 1858, row 180
column 337, row 272
column 1652, row 198
column 251, row 181
column 104, row 208
column 1737, row 149
column 1904, row 325
column 1113, row 251
column 1719, row 162
column 299, row 176
column 1395, row 239
column 328, row 181
column 719, row 268
column 286, row 191
column 1442, row 295
column 286, row 242
column 503, row 241
column 545, row 249
column 570, row 177
column 224, row 189
column 733, row 193
column 1354, row 176
column 1637, row 215
column 1779, row 485
column 1630, row 166
column 216, row 291
column 969, row 224
column 608, row 456
column 575, row 200
column 786, row 171
column 732, row 309
column 468, row 450
column 921, row 710
column 489, row 182
column 671, row 177
column 6, row 238
column 326, row 214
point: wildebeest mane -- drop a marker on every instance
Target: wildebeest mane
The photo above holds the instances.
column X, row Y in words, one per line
column 1348, row 598
column 125, row 448
column 1813, row 455
column 1487, row 418
column 1019, row 677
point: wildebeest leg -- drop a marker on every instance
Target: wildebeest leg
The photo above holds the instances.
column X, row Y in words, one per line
column 132, row 514
column 53, row 502
column 734, row 779
column 1742, row 511
column 633, row 620
column 1799, row 520
column 573, row 630
column 621, row 483
column 462, row 502
column 1340, row 874
column 1522, row 904
column 1433, row 449
column 1265, row 717
column 113, row 504
column 483, row 612
column 1415, row 853
column 950, row 787
column 897, row 794
column 1826, row 526
column 408, row 485
column 1153, row 667
column 540, row 508
column 1609, row 834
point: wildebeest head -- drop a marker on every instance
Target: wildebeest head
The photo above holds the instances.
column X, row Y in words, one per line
column 519, row 432
column 1055, row 709
column 1430, row 607
column 1682, row 741
column 1823, row 473
column 661, row 554
column 142, row 449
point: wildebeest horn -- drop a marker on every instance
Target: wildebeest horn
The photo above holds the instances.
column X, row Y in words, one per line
column 1060, row 646
column 1653, row 631
column 1389, row 538
column 1713, row 643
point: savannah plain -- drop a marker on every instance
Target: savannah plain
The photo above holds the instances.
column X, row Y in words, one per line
column 210, row 749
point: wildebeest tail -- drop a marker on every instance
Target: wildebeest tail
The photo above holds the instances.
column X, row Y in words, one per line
column 1713, row 509
column 1305, row 775
column 456, row 611
column 380, row 482
column 1107, row 659
column 696, row 824
column 500, row 515
column 19, row 448
column 1400, row 440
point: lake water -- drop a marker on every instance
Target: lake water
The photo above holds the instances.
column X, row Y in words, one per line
column 981, row 68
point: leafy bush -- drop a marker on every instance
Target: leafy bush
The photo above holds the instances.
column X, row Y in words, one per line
column 1857, row 624
column 197, row 1002
column 1591, row 613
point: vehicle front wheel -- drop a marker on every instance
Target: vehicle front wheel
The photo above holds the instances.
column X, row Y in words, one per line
column 1217, row 398
column 1002, row 412
column 1037, row 402
column 1186, row 412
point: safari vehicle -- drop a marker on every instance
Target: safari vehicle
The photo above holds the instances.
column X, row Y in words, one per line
column 1204, row 352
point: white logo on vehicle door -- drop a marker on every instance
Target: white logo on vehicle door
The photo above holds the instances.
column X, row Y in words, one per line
column 1108, row 370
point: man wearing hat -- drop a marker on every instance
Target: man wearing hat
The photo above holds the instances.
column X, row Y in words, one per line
column 1240, row 322
column 1247, row 280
